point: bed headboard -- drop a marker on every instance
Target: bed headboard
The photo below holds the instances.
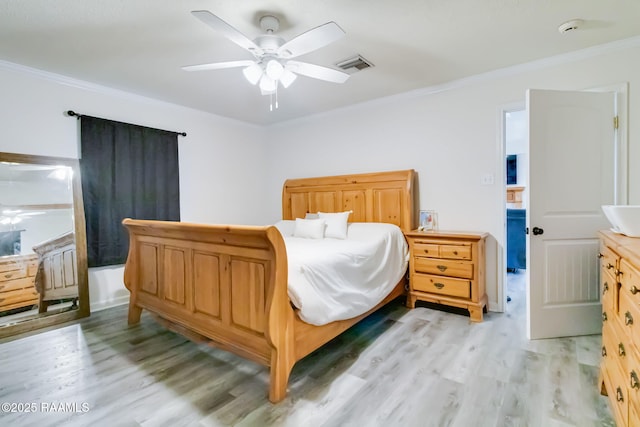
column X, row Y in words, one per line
column 373, row 197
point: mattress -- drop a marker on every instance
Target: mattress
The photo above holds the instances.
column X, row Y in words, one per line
column 336, row 279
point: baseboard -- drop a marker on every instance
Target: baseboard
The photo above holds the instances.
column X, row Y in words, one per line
column 103, row 305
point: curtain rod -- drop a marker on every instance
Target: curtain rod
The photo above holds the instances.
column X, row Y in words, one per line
column 72, row 113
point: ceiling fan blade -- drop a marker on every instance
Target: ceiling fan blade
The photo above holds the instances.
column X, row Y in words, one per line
column 311, row 40
column 317, row 71
column 219, row 65
column 227, row 30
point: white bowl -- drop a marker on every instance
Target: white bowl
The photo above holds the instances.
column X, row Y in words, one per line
column 625, row 219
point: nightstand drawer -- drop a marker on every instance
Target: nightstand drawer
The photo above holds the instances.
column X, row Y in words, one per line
column 442, row 285
column 449, row 251
column 426, row 249
column 455, row 251
column 443, row 267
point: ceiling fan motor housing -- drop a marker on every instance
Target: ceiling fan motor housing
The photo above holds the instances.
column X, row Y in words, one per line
column 269, row 43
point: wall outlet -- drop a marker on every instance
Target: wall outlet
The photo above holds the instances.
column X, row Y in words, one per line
column 487, row 179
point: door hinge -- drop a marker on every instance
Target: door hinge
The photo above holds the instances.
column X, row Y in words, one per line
column 615, row 122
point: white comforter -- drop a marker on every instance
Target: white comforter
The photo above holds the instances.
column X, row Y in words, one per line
column 334, row 279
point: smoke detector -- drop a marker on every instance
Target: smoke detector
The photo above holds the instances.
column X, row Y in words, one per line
column 574, row 24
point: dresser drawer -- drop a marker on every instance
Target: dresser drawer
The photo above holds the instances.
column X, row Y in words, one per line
column 443, row 267
column 442, row 285
column 609, row 260
column 617, row 345
column 448, row 251
column 16, row 273
column 18, row 298
column 609, row 291
column 633, row 379
column 12, row 285
column 630, row 281
column 629, row 315
column 17, row 269
column 617, row 390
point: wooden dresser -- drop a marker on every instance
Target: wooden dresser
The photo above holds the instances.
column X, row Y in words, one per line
column 17, row 275
column 620, row 285
column 448, row 267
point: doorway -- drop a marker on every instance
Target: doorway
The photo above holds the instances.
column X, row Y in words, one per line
column 557, row 200
column 515, row 140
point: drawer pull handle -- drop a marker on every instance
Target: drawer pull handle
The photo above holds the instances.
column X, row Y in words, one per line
column 609, row 266
column 604, row 317
column 8, row 276
column 600, row 255
column 634, row 380
column 439, row 285
column 628, row 319
column 618, row 272
column 634, row 290
column 621, row 351
column 606, row 288
column 604, row 352
column 619, row 395
column 442, row 267
column 455, row 252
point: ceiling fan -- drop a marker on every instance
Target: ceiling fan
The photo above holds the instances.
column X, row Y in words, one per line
column 272, row 64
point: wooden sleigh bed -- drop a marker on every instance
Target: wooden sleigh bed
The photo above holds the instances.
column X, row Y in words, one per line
column 227, row 284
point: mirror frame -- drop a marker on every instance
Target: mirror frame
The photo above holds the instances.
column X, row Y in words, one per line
column 46, row 320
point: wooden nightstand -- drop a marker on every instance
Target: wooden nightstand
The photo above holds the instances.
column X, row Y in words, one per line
column 448, row 267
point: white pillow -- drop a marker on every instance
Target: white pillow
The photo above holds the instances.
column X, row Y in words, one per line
column 286, row 227
column 309, row 228
column 336, row 224
column 310, row 215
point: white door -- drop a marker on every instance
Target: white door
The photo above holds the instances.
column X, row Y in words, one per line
column 571, row 174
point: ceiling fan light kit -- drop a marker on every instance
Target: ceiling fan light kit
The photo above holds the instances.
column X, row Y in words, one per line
column 272, row 66
column 253, row 73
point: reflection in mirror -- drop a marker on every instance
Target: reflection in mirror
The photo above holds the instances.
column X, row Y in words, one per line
column 42, row 272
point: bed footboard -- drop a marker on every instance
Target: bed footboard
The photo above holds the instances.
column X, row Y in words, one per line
column 223, row 284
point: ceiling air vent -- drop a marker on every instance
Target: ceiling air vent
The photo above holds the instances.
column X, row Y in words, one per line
column 352, row 65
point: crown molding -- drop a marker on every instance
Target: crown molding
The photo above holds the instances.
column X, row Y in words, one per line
column 109, row 91
column 514, row 70
column 417, row 93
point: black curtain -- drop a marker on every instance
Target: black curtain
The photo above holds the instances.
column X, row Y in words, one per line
column 128, row 171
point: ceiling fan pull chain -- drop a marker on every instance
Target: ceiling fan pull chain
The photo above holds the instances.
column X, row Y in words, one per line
column 277, row 94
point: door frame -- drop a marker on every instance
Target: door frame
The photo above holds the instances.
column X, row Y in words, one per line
column 502, row 153
column 621, row 171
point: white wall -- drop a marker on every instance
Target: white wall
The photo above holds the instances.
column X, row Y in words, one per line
column 219, row 158
column 450, row 137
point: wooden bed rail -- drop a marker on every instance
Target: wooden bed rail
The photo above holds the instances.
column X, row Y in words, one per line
column 224, row 284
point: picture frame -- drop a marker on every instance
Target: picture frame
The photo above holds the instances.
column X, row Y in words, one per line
column 428, row 220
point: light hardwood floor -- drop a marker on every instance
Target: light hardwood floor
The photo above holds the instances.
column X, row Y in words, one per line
column 399, row 367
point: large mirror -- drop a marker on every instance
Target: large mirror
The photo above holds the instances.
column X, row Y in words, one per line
column 43, row 257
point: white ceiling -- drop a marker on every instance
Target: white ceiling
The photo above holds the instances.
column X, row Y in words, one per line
column 139, row 46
